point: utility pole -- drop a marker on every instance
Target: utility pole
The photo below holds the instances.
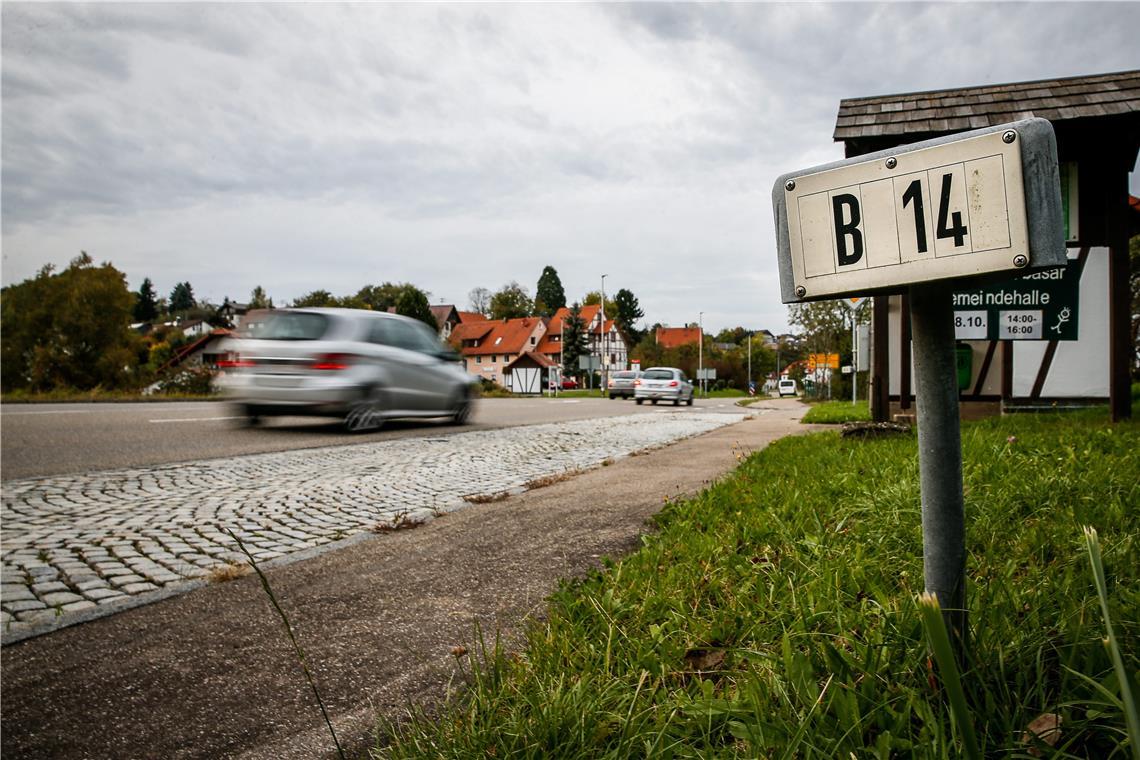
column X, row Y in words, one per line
column 605, row 364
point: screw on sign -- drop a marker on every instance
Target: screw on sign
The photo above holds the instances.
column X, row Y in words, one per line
column 925, row 219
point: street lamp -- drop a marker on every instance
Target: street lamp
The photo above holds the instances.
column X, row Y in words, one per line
column 605, row 373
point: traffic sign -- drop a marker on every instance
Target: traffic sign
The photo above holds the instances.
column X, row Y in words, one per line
column 855, row 303
column 970, row 204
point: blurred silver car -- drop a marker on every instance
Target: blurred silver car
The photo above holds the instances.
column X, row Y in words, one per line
column 622, row 383
column 663, row 384
column 363, row 366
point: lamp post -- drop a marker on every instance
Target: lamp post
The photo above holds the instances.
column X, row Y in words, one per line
column 701, row 351
column 748, row 389
column 605, row 367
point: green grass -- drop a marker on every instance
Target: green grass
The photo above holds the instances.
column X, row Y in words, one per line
column 98, row 395
column 834, row 412
column 776, row 615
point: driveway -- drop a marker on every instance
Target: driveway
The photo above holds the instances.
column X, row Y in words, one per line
column 210, row 674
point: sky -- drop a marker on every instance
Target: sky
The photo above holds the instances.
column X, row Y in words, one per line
column 306, row 146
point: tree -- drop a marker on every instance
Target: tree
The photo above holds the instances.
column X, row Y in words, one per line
column 316, row 298
column 146, row 302
column 549, row 296
column 181, row 298
column 479, row 301
column 594, row 297
column 573, row 340
column 69, row 330
column 259, row 300
column 413, row 302
column 627, row 312
column 511, row 302
column 381, row 297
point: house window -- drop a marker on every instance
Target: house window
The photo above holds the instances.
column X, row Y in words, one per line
column 532, row 340
column 478, row 359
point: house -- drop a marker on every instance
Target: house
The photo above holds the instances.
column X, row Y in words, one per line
column 194, row 328
column 598, row 336
column 488, row 347
column 447, row 317
column 232, row 312
column 529, row 373
column 674, row 337
column 470, row 316
column 207, row 351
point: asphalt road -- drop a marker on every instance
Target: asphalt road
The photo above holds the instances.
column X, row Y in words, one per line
column 57, row 439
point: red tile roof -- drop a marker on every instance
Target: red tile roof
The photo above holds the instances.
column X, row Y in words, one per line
column 471, row 316
column 506, row 336
column 671, row 337
column 538, row 359
column 588, row 314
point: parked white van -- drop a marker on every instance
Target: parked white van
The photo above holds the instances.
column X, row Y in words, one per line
column 786, row 387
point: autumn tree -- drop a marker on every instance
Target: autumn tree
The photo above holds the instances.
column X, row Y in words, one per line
column 511, row 302
column 69, row 330
column 316, row 298
column 594, row 297
column 549, row 296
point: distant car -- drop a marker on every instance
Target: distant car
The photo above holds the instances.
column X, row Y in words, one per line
column 569, row 383
column 786, row 387
column 663, row 384
column 622, row 383
column 363, row 366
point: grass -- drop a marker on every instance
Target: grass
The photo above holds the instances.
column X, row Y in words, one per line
column 835, row 412
column 776, row 615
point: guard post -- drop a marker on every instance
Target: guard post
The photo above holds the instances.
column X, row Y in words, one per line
column 925, row 219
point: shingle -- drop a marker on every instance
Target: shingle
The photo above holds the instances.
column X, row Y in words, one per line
column 936, row 111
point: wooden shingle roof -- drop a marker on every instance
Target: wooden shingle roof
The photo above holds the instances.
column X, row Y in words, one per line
column 944, row 111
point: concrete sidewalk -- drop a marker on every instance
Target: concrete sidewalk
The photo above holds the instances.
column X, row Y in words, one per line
column 210, row 673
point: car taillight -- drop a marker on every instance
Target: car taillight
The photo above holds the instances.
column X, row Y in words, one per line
column 611, row 383
column 636, row 382
column 333, row 362
column 236, row 362
column 672, row 383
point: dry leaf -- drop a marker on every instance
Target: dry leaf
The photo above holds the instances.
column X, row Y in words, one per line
column 1046, row 728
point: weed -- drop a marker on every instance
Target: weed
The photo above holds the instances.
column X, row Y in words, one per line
column 486, row 498
column 228, row 571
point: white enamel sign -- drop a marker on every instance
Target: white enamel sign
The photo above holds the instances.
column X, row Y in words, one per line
column 952, row 210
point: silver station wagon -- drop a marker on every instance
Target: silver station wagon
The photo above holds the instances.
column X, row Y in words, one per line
column 623, row 382
column 362, row 366
column 663, row 384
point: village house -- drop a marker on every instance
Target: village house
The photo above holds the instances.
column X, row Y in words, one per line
column 616, row 347
column 489, row 347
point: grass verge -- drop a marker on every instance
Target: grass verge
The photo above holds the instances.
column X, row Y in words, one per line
column 836, row 412
column 777, row 615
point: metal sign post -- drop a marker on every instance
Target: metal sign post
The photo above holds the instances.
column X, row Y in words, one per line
column 928, row 218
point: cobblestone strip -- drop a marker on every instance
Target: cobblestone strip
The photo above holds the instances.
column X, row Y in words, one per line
column 77, row 544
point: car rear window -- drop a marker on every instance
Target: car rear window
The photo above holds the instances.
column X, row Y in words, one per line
column 658, row 374
column 624, row 375
column 293, row 326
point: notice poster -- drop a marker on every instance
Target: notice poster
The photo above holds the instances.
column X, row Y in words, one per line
column 1038, row 306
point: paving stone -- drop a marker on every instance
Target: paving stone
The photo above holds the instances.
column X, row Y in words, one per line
column 60, row 598
column 148, row 527
column 99, row 594
column 23, row 606
column 119, row 581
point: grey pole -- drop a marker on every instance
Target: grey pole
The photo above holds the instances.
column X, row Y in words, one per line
column 940, row 454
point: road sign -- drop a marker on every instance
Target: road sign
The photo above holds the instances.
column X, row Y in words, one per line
column 589, row 362
column 855, row 303
column 706, row 374
column 970, row 204
column 821, row 361
column 1039, row 306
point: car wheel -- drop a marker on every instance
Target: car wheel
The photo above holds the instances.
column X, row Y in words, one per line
column 462, row 409
column 690, row 401
column 612, row 397
column 638, row 401
column 367, row 413
column 677, row 401
column 249, row 417
column 655, row 402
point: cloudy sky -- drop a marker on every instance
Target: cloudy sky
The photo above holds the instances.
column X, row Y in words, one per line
column 306, row 146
